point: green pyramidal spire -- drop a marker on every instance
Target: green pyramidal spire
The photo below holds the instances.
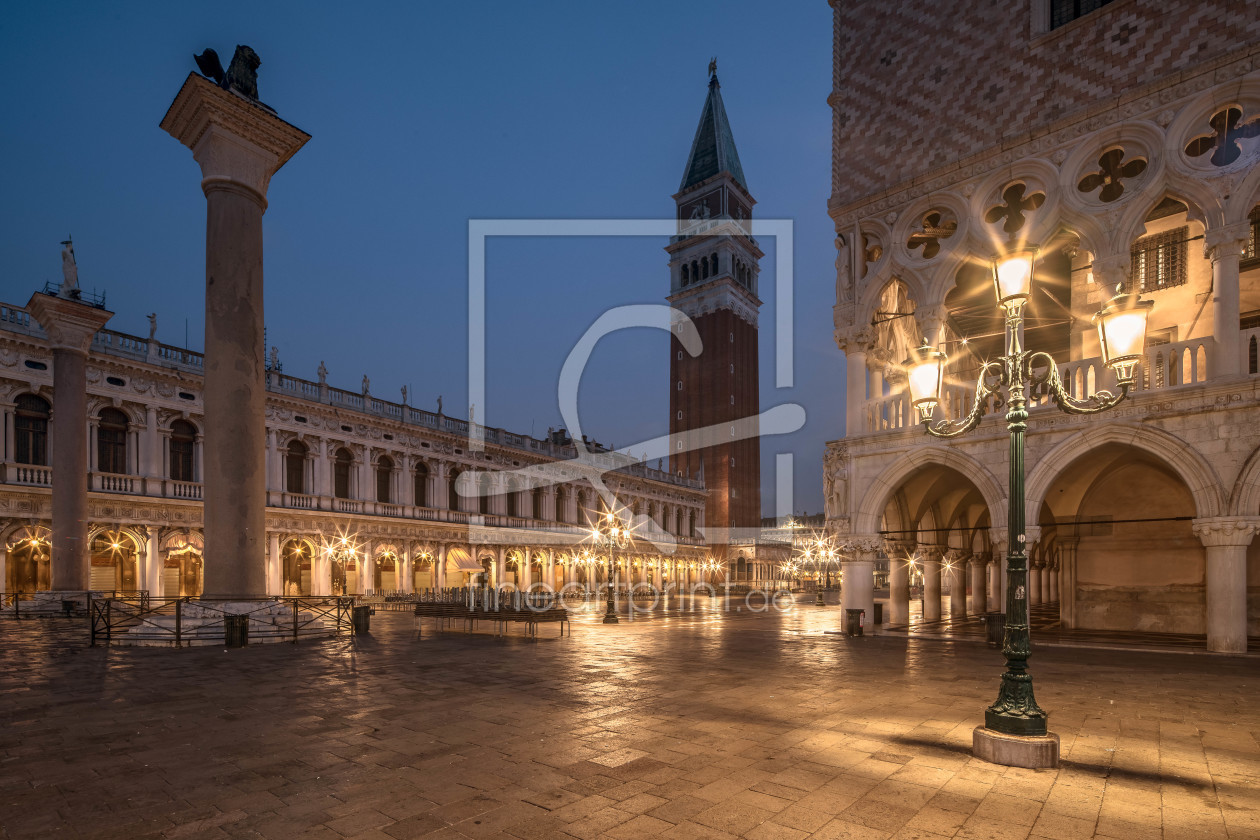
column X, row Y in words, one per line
column 713, row 149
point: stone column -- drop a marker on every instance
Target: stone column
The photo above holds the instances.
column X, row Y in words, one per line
column 930, row 557
column 275, row 569
column 152, row 578
column 857, row 590
column 527, row 570
column 1067, row 582
column 70, row 326
column 500, row 566
column 898, row 585
column 152, row 451
column 1052, row 582
column 957, row 585
column 439, row 567
column 1034, row 583
column 855, row 387
column 1224, row 247
column 1226, row 540
column 239, row 146
column 979, row 595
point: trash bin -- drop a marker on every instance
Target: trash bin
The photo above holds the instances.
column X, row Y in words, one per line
column 235, row 630
column 879, row 614
column 994, row 628
column 853, row 622
column 361, row 619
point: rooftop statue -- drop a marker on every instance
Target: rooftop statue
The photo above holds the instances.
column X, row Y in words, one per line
column 241, row 75
column 69, row 271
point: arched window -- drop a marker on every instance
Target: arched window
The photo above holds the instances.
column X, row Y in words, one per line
column 686, row 275
column 512, row 509
column 31, row 426
column 713, row 263
column 561, row 499
column 111, row 441
column 452, row 495
column 704, row 268
column 484, row 492
column 421, row 481
column 183, row 444
column 691, row 524
column 678, row 520
column 695, row 271
column 384, row 471
column 341, row 473
column 295, row 467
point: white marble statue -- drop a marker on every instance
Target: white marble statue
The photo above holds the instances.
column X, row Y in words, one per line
column 69, row 270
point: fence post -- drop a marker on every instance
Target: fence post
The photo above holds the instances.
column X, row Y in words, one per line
column 295, row 619
column 179, row 620
column 109, row 630
column 91, row 624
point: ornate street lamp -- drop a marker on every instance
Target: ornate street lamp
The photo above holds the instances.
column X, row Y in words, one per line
column 1122, row 332
column 609, row 533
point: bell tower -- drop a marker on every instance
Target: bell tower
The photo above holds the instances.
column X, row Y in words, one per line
column 713, row 280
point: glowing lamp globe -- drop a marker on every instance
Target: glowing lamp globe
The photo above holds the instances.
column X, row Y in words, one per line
column 1012, row 276
column 1122, row 333
column 925, row 374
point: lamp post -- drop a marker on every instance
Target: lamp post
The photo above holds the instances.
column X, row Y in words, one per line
column 611, row 534
column 1122, row 332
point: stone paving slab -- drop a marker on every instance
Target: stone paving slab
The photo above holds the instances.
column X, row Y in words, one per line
column 704, row 725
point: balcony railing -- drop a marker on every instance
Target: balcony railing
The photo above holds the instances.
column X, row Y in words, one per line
column 1163, row 367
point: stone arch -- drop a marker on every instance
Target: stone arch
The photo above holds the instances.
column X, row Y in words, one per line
column 1197, row 473
column 1245, row 499
column 879, row 491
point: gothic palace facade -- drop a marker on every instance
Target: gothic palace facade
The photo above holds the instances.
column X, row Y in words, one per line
column 1122, row 138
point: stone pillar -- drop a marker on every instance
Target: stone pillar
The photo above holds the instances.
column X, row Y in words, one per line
column 151, row 450
column 1226, row 540
column 527, row 570
column 855, row 388
column 500, row 566
column 275, row 568
column 439, row 567
column 979, row 594
column 1224, row 247
column 1052, row 582
column 152, row 578
column 898, row 586
column 404, row 577
column 239, row 146
column 930, row 557
column 1067, row 582
column 1034, row 583
column 957, row 585
column 70, row 326
column 857, row 589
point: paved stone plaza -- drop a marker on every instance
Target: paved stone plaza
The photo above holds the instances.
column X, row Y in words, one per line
column 691, row 726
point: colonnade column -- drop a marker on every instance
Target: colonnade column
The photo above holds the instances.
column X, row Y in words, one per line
column 898, row 584
column 1067, row 582
column 979, row 595
column 1052, row 579
column 857, row 590
column 855, row 349
column 957, row 584
column 930, row 558
column 275, row 574
column 997, row 582
column 500, row 566
column 70, row 326
column 404, row 577
column 527, row 570
column 1226, row 540
column 1224, row 247
column 239, row 146
column 1034, row 583
column 439, row 567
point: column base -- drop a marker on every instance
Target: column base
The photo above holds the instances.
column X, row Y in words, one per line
column 1031, row 751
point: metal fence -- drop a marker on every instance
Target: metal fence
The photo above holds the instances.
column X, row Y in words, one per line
column 188, row 620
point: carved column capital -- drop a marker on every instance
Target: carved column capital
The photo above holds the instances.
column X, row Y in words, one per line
column 1226, row 241
column 1112, row 270
column 1226, row 530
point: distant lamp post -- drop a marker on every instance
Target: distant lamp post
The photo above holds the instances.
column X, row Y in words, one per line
column 610, row 534
column 1122, row 332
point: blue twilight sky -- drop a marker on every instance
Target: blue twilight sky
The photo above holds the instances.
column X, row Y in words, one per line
column 423, row 116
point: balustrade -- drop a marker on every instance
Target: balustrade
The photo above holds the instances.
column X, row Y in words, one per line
column 183, row 490
column 112, row 483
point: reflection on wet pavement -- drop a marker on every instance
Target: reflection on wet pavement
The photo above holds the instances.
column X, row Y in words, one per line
column 692, row 723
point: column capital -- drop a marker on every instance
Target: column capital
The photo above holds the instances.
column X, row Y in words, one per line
column 1111, row 271
column 861, row 543
column 1226, row 241
column 70, row 324
column 238, row 142
column 859, row 338
column 1226, row 530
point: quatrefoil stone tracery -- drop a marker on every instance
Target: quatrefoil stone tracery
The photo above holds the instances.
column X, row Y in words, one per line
column 1113, row 170
column 932, row 230
column 1014, row 207
column 1228, row 128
